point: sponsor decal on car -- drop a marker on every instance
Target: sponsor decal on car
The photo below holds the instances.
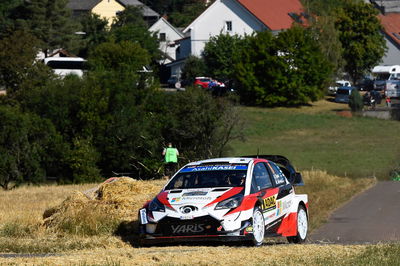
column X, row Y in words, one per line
column 268, row 204
column 282, row 206
column 213, row 168
column 175, row 200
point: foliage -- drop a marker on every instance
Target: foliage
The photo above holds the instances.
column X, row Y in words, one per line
column 194, row 67
column 17, row 61
column 6, row 20
column 130, row 26
column 24, row 142
column 49, row 21
column 202, row 126
column 356, row 101
column 221, row 53
column 82, row 162
column 289, row 69
column 121, row 57
column 359, row 33
column 325, row 32
column 96, row 32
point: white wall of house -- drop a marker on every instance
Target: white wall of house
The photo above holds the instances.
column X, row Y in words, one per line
column 223, row 16
column 167, row 34
column 392, row 56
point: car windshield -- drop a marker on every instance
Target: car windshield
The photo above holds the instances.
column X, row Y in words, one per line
column 206, row 179
column 343, row 91
column 383, row 76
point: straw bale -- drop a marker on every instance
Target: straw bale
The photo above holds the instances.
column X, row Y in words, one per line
column 116, row 198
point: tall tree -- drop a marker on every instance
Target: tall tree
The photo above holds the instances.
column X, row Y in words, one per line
column 96, row 32
column 359, row 33
column 289, row 69
column 6, row 18
column 50, row 21
column 129, row 25
column 221, row 53
column 17, row 61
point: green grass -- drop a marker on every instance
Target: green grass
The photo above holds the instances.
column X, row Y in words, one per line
column 344, row 146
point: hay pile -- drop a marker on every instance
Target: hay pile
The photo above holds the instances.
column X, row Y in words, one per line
column 101, row 209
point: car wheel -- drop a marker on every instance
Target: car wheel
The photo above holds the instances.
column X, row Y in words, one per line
column 258, row 227
column 302, row 227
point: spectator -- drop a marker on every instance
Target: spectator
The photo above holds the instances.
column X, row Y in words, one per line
column 170, row 159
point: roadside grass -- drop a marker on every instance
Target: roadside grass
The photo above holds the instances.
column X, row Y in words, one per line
column 287, row 254
column 83, row 226
column 315, row 137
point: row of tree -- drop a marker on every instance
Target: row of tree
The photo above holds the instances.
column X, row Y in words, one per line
column 297, row 65
column 112, row 121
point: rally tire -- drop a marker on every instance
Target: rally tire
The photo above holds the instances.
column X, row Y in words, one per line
column 258, row 224
column 302, row 227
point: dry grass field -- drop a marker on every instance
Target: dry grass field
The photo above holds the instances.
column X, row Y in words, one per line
column 101, row 231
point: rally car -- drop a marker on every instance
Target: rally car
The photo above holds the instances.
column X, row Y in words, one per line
column 242, row 199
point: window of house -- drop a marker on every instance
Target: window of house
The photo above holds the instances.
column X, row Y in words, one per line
column 229, row 25
column 162, row 37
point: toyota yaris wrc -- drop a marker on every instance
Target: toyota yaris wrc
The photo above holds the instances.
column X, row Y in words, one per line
column 242, row 199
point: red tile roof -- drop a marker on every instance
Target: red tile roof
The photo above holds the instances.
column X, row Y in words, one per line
column 274, row 13
column 391, row 25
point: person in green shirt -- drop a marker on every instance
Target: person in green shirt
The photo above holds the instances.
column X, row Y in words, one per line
column 170, row 159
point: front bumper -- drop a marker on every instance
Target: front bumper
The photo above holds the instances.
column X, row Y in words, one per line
column 205, row 228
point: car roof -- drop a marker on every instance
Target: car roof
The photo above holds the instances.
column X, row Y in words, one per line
column 230, row 160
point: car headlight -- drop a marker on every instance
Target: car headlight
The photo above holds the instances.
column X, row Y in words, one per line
column 156, row 205
column 232, row 202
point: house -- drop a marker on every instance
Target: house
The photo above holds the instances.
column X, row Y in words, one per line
column 167, row 34
column 109, row 8
column 241, row 17
column 391, row 31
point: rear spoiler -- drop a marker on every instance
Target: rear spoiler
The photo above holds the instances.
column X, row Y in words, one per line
column 287, row 168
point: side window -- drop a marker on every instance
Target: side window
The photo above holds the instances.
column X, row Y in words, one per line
column 277, row 174
column 261, row 178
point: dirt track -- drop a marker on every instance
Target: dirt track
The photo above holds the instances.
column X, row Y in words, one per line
column 371, row 217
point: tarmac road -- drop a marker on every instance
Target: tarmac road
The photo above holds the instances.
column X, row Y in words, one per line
column 371, row 217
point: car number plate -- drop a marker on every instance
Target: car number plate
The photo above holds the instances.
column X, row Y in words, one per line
column 187, row 217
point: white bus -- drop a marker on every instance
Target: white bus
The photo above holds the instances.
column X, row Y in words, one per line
column 63, row 66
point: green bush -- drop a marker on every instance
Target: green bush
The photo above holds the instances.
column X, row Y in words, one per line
column 355, row 101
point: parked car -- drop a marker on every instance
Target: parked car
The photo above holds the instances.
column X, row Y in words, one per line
column 172, row 81
column 207, row 83
column 343, row 93
column 241, row 199
column 340, row 83
column 365, row 84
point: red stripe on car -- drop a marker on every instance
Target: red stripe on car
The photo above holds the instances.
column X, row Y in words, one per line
column 163, row 198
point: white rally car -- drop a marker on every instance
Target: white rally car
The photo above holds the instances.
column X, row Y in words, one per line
column 245, row 199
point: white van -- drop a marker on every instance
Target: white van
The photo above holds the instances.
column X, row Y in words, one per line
column 383, row 74
column 63, row 66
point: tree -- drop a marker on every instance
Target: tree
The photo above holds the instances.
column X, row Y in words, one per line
column 289, row 69
column 194, row 67
column 355, row 101
column 6, row 20
column 95, row 29
column 359, row 33
column 202, row 126
column 130, row 26
column 221, row 53
column 49, row 21
column 122, row 57
column 26, row 142
column 17, row 62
